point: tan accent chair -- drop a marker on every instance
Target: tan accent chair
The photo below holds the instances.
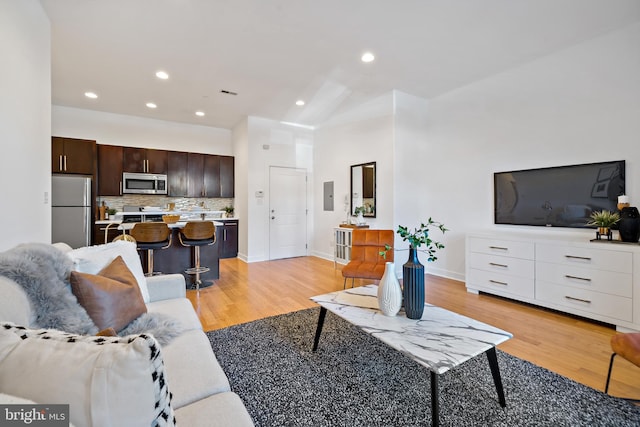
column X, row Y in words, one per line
column 150, row 236
column 195, row 234
column 366, row 261
column 628, row 347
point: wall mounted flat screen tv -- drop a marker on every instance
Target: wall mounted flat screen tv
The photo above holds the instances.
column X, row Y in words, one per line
column 562, row 196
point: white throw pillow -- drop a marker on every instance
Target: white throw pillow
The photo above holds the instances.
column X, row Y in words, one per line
column 107, row 381
column 92, row 259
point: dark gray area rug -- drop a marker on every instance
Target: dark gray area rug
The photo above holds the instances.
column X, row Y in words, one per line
column 355, row 380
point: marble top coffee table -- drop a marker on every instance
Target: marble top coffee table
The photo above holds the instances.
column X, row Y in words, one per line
column 440, row 340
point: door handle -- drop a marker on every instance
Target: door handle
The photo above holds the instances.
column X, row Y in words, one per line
column 273, row 217
column 65, row 163
column 60, row 163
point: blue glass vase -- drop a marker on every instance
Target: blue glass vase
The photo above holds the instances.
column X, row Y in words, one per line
column 413, row 289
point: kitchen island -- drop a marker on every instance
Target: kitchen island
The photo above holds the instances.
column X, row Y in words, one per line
column 176, row 258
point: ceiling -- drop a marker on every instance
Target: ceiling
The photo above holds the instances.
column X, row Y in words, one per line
column 275, row 52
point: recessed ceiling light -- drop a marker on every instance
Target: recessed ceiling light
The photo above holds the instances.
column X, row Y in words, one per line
column 368, row 57
column 300, row 102
column 151, row 105
column 200, row 113
column 91, row 95
column 162, row 75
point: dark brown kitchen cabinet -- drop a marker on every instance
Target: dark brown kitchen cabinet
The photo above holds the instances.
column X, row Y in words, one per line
column 195, row 175
column 144, row 160
column 226, row 176
column 110, row 170
column 211, row 176
column 74, row 156
column 205, row 177
column 177, row 173
column 227, row 238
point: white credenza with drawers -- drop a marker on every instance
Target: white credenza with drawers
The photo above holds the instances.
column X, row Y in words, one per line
column 595, row 280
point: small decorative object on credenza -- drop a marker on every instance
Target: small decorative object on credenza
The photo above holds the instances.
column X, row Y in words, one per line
column 604, row 220
column 629, row 225
column 389, row 292
column 412, row 270
column 623, row 202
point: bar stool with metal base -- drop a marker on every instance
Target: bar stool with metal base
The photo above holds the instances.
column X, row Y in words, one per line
column 150, row 236
column 196, row 234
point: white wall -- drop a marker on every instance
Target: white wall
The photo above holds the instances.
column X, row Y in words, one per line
column 118, row 129
column 413, row 202
column 362, row 135
column 240, row 139
column 25, row 123
column 268, row 143
column 578, row 105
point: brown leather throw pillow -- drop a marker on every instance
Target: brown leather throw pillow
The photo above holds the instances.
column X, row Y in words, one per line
column 112, row 298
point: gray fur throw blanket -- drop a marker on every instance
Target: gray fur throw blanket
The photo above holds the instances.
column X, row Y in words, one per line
column 43, row 272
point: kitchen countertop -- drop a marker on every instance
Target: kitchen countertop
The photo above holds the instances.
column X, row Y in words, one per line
column 183, row 214
column 179, row 224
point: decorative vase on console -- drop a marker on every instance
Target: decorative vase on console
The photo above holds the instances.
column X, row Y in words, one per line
column 389, row 292
column 413, row 282
column 412, row 270
column 629, row 224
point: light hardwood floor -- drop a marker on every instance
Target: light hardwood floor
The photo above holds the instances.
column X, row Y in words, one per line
column 570, row 346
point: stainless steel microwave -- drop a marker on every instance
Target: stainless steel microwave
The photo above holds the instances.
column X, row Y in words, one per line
column 144, row 183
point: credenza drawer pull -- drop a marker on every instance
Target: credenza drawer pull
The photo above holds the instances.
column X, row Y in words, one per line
column 578, row 299
column 500, row 248
column 495, row 282
column 584, row 258
column 493, row 264
column 577, row 278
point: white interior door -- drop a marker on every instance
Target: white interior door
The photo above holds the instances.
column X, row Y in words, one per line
column 287, row 212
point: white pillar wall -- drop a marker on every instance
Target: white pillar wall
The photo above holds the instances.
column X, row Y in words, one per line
column 25, row 123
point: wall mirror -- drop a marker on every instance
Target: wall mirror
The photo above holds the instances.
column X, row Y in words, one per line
column 363, row 188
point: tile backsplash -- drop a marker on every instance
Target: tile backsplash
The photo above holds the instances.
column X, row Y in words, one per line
column 161, row 201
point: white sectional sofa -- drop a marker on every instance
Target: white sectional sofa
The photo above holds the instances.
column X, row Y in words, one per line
column 110, row 381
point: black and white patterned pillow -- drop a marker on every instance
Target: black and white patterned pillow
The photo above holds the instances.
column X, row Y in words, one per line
column 17, row 345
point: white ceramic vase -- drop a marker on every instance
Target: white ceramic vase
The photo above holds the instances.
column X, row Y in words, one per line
column 389, row 292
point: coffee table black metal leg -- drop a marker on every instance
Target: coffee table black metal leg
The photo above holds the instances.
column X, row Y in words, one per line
column 495, row 371
column 323, row 313
column 435, row 400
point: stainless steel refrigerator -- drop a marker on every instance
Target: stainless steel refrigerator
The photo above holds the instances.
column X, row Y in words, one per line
column 71, row 218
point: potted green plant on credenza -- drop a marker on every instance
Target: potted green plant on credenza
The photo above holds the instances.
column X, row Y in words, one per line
column 604, row 220
column 413, row 270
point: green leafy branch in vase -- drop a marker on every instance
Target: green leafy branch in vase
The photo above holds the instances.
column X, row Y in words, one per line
column 418, row 237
